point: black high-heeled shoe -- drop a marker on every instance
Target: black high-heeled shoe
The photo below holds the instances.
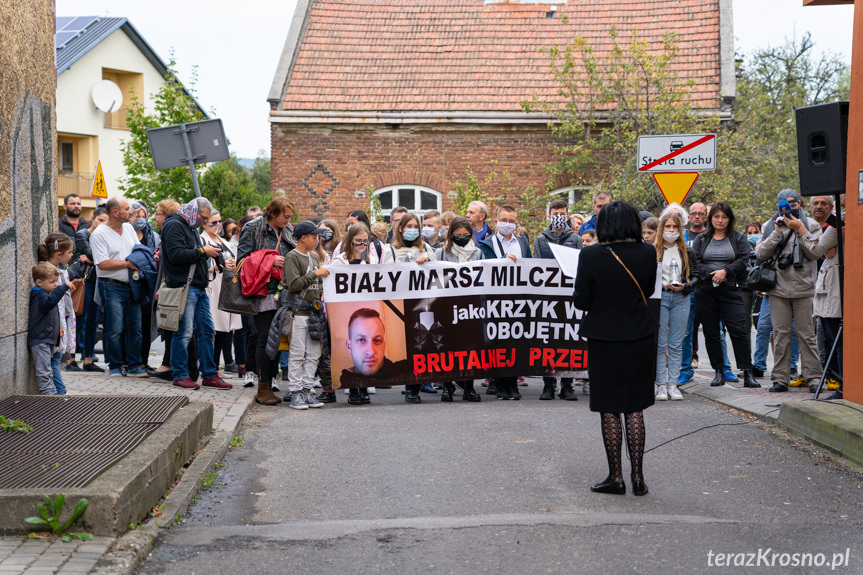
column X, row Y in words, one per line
column 718, row 379
column 609, row 486
column 639, row 487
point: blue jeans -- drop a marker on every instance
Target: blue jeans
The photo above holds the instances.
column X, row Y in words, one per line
column 762, row 339
column 284, row 359
column 122, row 319
column 673, row 317
column 196, row 319
column 686, row 354
column 56, row 369
column 89, row 320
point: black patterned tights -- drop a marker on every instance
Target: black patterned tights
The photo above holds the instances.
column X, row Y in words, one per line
column 612, row 436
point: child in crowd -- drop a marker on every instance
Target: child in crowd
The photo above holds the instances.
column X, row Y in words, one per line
column 587, row 238
column 648, row 230
column 302, row 273
column 44, row 326
column 57, row 250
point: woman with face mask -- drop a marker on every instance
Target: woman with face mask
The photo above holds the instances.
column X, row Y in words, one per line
column 459, row 247
column 139, row 218
column 407, row 244
column 678, row 276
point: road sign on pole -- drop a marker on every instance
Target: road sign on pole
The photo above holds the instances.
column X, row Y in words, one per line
column 100, row 190
column 679, row 153
column 675, row 186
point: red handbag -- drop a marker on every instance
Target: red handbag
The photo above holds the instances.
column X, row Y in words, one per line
column 256, row 272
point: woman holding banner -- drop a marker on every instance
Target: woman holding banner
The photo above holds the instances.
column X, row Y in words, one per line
column 459, row 247
column 613, row 280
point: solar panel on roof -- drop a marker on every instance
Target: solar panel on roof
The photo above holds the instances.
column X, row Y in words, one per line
column 80, row 23
column 62, row 21
column 61, row 38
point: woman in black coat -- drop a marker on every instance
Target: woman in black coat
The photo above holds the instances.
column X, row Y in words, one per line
column 615, row 277
column 722, row 254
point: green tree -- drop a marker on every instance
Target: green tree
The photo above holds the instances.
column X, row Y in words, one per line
column 232, row 188
column 173, row 104
column 607, row 100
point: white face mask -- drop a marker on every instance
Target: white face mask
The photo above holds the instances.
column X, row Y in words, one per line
column 428, row 232
column 670, row 236
column 505, row 228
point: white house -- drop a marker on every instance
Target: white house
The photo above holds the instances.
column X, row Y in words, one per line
column 90, row 49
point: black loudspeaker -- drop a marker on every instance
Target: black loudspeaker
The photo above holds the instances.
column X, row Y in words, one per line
column 822, row 139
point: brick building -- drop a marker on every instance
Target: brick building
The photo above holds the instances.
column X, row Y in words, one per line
column 398, row 96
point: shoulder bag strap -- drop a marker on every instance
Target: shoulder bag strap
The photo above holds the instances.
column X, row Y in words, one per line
column 641, row 291
column 500, row 245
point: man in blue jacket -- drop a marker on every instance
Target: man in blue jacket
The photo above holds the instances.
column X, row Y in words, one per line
column 599, row 200
column 505, row 244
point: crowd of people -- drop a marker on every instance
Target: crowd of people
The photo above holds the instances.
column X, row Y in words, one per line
column 121, row 258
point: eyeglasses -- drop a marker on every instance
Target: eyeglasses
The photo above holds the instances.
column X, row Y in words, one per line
column 359, row 243
column 214, row 224
column 697, row 213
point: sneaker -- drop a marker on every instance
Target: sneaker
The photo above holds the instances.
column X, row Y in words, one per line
column 797, row 382
column 485, row 383
column 372, row 390
column 116, row 372
column 674, row 393
column 297, row 400
column 427, row 388
column 684, row 378
column 93, row 367
column 217, row 382
column 833, row 384
column 231, row 368
column 310, row 399
column 124, row 371
column 250, row 379
column 226, row 375
column 73, row 366
column 186, row 383
column 136, row 371
column 694, row 363
column 586, row 388
column 521, row 381
column 729, row 375
column 661, row 392
column 275, row 386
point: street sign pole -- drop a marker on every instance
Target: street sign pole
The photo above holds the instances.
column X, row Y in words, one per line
column 191, row 160
column 675, row 161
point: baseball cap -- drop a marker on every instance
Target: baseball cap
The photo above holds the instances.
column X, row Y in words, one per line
column 305, row 228
column 788, row 195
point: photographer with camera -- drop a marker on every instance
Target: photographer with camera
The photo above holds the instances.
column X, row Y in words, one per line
column 791, row 299
column 224, row 323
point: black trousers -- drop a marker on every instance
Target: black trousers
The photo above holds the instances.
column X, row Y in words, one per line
column 266, row 367
column 725, row 304
column 222, row 347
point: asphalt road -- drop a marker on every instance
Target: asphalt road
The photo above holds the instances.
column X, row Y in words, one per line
column 502, row 487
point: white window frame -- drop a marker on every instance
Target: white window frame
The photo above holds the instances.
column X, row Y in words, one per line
column 418, row 190
column 569, row 192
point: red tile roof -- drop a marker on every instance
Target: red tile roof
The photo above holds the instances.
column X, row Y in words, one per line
column 464, row 55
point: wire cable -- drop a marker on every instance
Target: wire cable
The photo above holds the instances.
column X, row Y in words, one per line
column 710, row 427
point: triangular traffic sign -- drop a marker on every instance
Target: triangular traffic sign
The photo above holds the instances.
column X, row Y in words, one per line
column 100, row 190
column 675, row 186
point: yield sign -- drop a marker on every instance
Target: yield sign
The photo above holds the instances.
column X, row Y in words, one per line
column 675, row 186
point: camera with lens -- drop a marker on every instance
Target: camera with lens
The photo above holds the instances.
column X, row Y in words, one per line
column 220, row 259
column 784, row 260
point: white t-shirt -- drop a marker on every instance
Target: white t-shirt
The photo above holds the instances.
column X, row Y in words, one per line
column 510, row 246
column 109, row 245
column 671, row 254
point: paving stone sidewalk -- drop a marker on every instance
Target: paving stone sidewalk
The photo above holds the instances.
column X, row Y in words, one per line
column 22, row 556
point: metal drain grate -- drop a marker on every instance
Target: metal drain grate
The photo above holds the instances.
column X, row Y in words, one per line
column 75, row 438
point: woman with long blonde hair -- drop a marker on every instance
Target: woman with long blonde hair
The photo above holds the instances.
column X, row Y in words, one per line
column 679, row 274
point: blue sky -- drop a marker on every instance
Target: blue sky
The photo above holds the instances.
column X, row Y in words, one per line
column 236, row 46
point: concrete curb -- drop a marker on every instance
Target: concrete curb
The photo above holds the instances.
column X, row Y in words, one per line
column 129, row 550
column 731, row 397
column 837, row 425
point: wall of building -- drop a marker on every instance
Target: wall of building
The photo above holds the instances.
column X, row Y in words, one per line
column 27, row 173
column 77, row 114
column 323, row 168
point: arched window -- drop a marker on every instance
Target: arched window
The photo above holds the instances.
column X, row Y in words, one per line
column 417, row 199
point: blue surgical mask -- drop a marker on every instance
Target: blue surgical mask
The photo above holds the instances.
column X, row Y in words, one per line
column 411, row 234
column 753, row 239
column 139, row 224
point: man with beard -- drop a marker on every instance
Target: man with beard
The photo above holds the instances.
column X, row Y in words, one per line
column 72, row 221
column 367, row 344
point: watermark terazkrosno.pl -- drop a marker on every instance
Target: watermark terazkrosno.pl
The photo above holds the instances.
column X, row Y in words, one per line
column 770, row 558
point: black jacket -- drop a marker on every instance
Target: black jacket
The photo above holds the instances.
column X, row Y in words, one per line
column 565, row 237
column 616, row 310
column 65, row 227
column 736, row 270
column 82, row 247
column 182, row 247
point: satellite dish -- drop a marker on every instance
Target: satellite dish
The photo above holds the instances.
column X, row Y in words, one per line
column 107, row 96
